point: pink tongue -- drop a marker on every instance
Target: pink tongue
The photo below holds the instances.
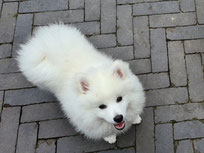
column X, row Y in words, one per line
column 120, row 125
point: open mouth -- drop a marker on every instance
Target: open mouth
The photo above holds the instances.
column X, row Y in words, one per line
column 120, row 126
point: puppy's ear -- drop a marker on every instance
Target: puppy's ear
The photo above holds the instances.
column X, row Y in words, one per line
column 83, row 84
column 120, row 69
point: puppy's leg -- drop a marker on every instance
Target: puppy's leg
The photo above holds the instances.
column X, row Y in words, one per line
column 110, row 139
column 137, row 120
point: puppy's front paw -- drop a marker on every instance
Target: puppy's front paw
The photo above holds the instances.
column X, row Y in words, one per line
column 137, row 120
column 110, row 139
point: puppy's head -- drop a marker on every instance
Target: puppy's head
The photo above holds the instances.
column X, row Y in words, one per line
column 106, row 92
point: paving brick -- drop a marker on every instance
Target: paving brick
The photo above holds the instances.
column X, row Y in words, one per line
column 155, row 81
column 42, row 5
column 9, row 10
column 127, row 150
column 183, row 33
column 70, row 16
column 5, row 50
column 76, row 4
column 159, row 50
column 124, row 53
column 27, row 96
column 140, row 66
column 155, row 8
column 89, row 28
column 27, row 138
column 141, row 37
column 167, row 96
column 164, row 138
column 8, row 129
column 199, row 9
column 127, row 139
column 103, row 41
column 184, row 146
column 194, row 46
column 198, row 145
column 187, row 5
column 13, row 81
column 55, row 128
column 177, row 63
column 71, row 144
column 8, row 65
column 23, row 31
column 1, row 100
column 203, row 58
column 171, row 20
column 41, row 112
column 133, row 1
column 108, row 16
column 195, row 77
column 179, row 112
column 124, row 25
column 46, row 146
column 189, row 129
column 145, row 133
column 1, row 1
column 92, row 10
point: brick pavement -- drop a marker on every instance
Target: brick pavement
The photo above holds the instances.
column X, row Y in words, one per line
column 163, row 40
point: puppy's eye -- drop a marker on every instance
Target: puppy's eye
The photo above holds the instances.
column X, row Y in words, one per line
column 119, row 99
column 102, row 106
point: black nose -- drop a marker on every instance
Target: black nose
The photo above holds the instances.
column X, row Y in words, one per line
column 118, row 118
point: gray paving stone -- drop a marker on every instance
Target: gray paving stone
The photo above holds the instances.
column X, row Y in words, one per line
column 103, row 41
column 141, row 37
column 92, row 10
column 8, row 65
column 145, row 133
column 46, row 146
column 71, row 144
column 195, row 77
column 124, row 25
column 172, row 20
column 183, row 33
column 127, row 150
column 76, row 4
column 108, row 16
column 5, row 50
column 203, row 58
column 187, row 5
column 1, row 1
column 1, row 100
column 13, row 81
column 9, row 129
column 155, row 81
column 42, row 5
column 159, row 50
column 127, row 139
column 41, row 112
column 27, row 96
column 177, row 63
column 7, row 26
column 166, row 96
column 27, row 138
column 89, row 28
column 189, row 129
column 9, row 10
column 164, row 138
column 198, row 145
column 179, row 112
column 55, row 128
column 140, row 66
column 134, row 1
column 70, row 16
column 124, row 53
column 184, row 146
column 22, row 32
column 194, row 46
column 155, row 8
column 200, row 12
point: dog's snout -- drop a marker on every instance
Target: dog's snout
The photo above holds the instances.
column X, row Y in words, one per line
column 118, row 118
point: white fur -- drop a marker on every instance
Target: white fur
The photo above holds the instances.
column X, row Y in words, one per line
column 58, row 58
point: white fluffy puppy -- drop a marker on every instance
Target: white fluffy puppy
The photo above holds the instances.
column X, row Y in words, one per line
column 101, row 96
